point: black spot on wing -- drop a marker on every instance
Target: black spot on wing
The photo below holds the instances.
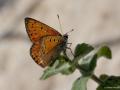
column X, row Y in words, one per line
column 41, row 28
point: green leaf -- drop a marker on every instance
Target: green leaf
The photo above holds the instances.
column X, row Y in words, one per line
column 87, row 64
column 69, row 70
column 50, row 71
column 81, row 83
column 64, row 59
column 61, row 65
column 103, row 77
column 82, row 49
column 105, row 51
column 110, row 83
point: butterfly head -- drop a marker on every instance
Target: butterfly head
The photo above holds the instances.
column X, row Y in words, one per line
column 65, row 36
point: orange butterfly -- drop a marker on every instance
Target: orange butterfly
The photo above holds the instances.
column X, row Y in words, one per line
column 47, row 42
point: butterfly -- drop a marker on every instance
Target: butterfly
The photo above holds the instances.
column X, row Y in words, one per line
column 47, row 42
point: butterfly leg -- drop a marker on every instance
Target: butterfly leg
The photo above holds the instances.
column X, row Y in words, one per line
column 69, row 44
column 70, row 50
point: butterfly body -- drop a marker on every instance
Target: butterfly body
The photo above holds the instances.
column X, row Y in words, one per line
column 47, row 42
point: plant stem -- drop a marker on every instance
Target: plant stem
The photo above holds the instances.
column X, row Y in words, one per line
column 96, row 79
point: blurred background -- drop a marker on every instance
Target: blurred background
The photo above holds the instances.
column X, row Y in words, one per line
column 96, row 22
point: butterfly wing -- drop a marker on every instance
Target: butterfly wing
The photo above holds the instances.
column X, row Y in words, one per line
column 36, row 29
column 46, row 49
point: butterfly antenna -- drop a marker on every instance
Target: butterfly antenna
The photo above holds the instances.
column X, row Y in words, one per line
column 60, row 23
column 69, row 31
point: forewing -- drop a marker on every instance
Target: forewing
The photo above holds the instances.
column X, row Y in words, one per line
column 49, row 42
column 36, row 29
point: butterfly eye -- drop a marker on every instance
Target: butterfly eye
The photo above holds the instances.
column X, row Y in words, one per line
column 65, row 36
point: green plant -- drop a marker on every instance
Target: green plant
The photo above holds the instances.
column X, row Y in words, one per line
column 85, row 59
